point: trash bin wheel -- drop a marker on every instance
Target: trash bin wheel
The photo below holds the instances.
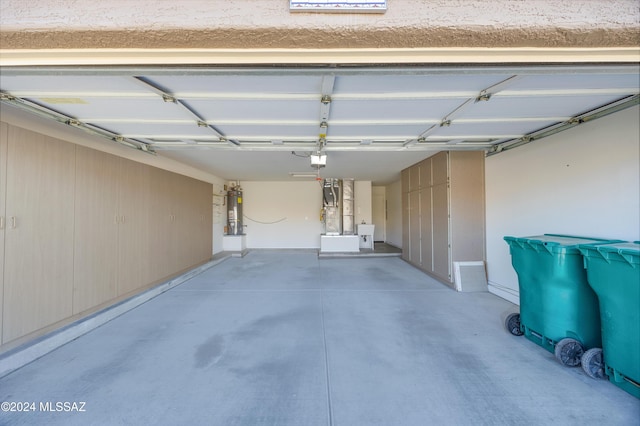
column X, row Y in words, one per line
column 513, row 324
column 569, row 351
column 593, row 364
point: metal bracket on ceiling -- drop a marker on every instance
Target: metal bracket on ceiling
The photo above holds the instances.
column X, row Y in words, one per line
column 483, row 95
column 326, row 88
column 619, row 105
column 487, row 93
column 50, row 114
column 7, row 97
column 169, row 97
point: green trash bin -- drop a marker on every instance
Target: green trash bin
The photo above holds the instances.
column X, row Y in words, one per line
column 613, row 271
column 558, row 309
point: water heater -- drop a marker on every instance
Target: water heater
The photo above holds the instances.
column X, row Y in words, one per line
column 234, row 211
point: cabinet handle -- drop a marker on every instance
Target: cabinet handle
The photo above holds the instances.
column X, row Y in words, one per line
column 115, row 219
column 1, row 222
column 13, row 222
column 123, row 218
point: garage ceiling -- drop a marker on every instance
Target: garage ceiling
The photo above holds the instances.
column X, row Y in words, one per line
column 263, row 123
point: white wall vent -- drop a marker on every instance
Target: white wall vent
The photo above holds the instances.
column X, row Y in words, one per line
column 470, row 276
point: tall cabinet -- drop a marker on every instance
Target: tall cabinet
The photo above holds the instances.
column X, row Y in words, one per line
column 443, row 212
column 38, row 255
column 81, row 229
column 97, row 219
column 4, row 129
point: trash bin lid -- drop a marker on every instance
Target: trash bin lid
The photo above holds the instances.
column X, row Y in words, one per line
column 625, row 250
column 556, row 243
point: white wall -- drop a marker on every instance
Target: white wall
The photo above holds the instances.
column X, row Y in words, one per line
column 378, row 212
column 362, row 201
column 583, row 182
column 394, row 213
column 282, row 214
column 287, row 214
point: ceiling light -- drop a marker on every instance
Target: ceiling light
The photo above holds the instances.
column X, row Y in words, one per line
column 302, row 175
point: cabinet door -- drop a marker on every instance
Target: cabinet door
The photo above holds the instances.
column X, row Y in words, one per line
column 440, row 210
column 467, row 206
column 204, row 227
column 425, row 173
column 133, row 227
column 414, row 226
column 414, row 177
column 426, row 232
column 185, row 219
column 440, row 168
column 4, row 128
column 96, row 229
column 406, row 239
column 38, row 280
column 405, row 181
column 161, row 222
column 180, row 223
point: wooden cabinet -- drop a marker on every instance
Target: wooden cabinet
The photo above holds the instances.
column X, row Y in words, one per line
column 443, row 219
column 440, row 232
column 38, row 257
column 134, row 182
column 161, row 230
column 96, row 229
column 202, row 221
column 80, row 229
column 406, row 241
column 182, row 208
column 414, row 179
column 467, row 206
column 4, row 129
column 426, row 224
column 414, row 227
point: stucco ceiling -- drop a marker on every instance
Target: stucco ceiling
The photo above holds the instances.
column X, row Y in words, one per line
column 262, row 123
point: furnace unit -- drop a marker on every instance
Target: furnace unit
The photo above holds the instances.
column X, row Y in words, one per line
column 337, row 202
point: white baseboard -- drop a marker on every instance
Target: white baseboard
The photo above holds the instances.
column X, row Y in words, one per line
column 509, row 294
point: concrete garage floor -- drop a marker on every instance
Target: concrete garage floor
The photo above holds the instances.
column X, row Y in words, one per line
column 285, row 338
